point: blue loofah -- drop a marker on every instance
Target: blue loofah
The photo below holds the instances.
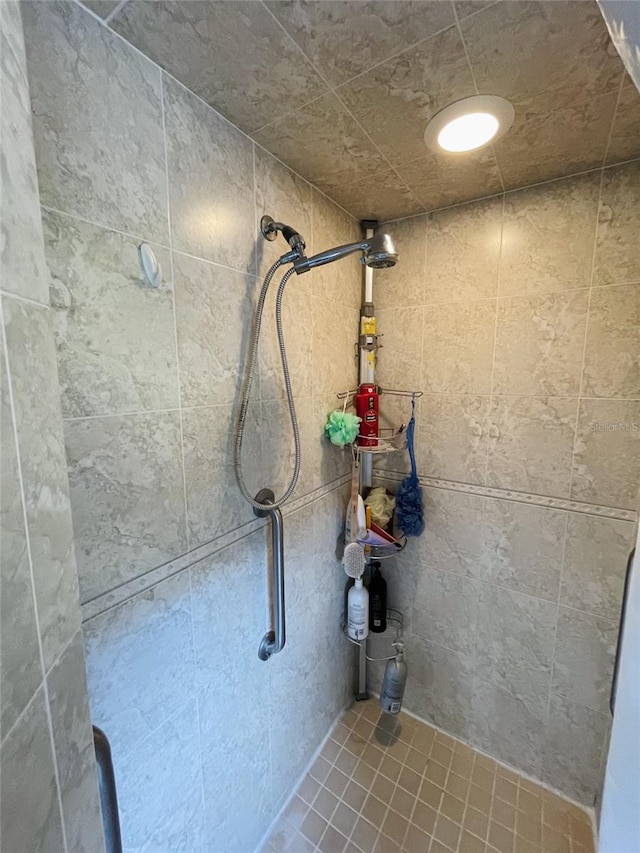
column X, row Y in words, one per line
column 342, row 427
column 409, row 508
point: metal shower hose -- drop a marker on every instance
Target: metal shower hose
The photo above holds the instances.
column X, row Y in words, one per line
column 255, row 340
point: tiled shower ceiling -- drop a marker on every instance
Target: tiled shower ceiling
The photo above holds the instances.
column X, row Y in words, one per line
column 342, row 90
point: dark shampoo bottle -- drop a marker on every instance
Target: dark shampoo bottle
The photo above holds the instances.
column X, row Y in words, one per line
column 377, row 600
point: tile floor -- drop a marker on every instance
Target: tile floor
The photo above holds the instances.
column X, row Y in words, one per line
column 389, row 784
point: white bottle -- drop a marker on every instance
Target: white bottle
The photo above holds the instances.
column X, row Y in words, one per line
column 358, row 611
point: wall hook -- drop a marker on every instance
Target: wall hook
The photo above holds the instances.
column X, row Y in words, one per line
column 150, row 265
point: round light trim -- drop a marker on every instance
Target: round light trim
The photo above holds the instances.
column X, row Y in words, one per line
column 469, row 124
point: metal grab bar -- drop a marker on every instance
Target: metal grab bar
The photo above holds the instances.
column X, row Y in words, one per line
column 107, row 791
column 273, row 641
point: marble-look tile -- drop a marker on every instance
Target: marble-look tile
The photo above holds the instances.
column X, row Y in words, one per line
column 514, row 644
column 380, row 197
column 127, row 496
column 214, row 502
column 439, row 181
column 572, row 747
column 339, row 282
column 101, row 8
column 530, row 444
column 343, row 40
column 606, row 463
column 540, row 343
column 543, row 146
column 595, row 561
column 446, row 609
column 322, row 462
column 236, row 754
column 334, row 338
column 29, row 788
column 624, row 143
column 22, row 267
column 583, row 664
column 297, row 325
column 523, row 547
column 114, row 333
column 211, row 187
column 140, row 663
column 506, row 726
column 34, row 382
column 234, row 56
column 229, row 598
column 503, row 46
column 73, row 743
column 287, row 198
column 452, row 437
column 429, row 76
column 214, row 306
column 323, row 142
column 404, row 283
column 617, row 257
column 115, row 175
column 398, row 364
column 168, row 762
column 548, row 236
column 611, row 360
column 19, row 653
column 456, row 539
column 463, row 252
column 440, row 686
column 458, row 347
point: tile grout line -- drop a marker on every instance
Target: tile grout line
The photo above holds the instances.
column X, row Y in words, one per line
column 25, row 520
column 187, row 532
column 613, row 120
column 586, row 331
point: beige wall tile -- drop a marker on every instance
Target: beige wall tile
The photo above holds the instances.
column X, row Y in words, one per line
column 583, row 663
column 399, row 358
column 335, row 333
column 530, row 444
column 340, row 282
column 595, row 561
column 625, row 143
column 572, row 749
column 548, row 236
column 463, row 251
column 514, row 644
column 455, row 542
column 539, row 344
column 446, row 610
column 606, row 464
column 404, row 284
column 452, row 437
column 612, row 352
column 523, row 547
column 458, row 347
column 617, row 257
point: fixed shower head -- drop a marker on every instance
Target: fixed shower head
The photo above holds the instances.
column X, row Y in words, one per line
column 378, row 252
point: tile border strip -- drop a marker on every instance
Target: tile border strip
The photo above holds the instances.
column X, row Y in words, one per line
column 547, row 501
column 120, row 594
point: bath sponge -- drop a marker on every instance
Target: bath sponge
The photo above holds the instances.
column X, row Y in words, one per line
column 342, row 427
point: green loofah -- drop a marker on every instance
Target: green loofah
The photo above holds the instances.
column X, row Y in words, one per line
column 342, row 427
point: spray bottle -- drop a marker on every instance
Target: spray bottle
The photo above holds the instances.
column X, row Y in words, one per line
column 394, row 682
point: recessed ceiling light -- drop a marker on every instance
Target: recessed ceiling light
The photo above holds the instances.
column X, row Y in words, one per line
column 469, row 124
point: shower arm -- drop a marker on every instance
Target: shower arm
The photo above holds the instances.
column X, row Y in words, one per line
column 305, row 264
column 273, row 641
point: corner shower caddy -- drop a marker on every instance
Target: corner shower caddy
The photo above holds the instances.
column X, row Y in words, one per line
column 390, row 440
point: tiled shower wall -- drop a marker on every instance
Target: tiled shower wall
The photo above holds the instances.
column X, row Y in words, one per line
column 208, row 741
column 518, row 316
column 49, row 795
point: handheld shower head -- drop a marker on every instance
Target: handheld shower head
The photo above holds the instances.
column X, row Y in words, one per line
column 378, row 252
column 381, row 253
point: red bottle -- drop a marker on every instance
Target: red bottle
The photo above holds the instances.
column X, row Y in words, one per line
column 367, row 407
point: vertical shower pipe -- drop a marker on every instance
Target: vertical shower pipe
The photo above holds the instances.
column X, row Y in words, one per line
column 367, row 346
